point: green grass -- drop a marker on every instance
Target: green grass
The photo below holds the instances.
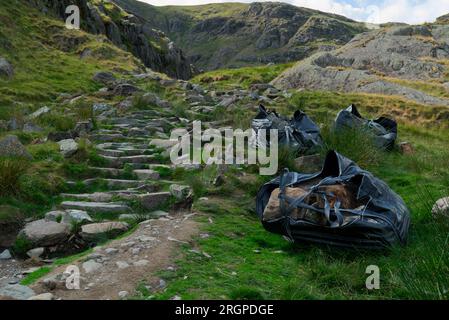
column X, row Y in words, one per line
column 243, row 77
column 36, row 275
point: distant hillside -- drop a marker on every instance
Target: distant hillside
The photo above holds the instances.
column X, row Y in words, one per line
column 235, row 34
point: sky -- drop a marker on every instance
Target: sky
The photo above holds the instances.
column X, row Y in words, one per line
column 409, row 11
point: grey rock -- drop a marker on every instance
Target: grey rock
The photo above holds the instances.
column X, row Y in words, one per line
column 68, row 147
column 39, row 112
column 99, row 108
column 151, row 201
column 104, row 77
column 122, row 264
column 5, row 255
column 17, row 291
column 43, row 297
column 6, row 69
column 123, row 294
column 441, row 207
column 10, row 146
column 45, row 233
column 125, row 89
column 180, row 192
column 83, row 127
column 95, row 231
column 36, row 253
column 141, row 263
column 31, row 127
column 91, row 266
column 111, row 250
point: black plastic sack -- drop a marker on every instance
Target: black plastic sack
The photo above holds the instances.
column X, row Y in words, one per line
column 382, row 221
column 299, row 134
column 383, row 129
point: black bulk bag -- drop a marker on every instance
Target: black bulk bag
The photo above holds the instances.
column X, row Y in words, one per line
column 382, row 221
column 299, row 134
column 383, row 129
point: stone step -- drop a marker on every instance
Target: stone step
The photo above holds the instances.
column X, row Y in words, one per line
column 122, row 145
column 108, row 172
column 119, row 162
column 97, row 207
column 102, row 196
column 106, row 137
column 115, row 183
column 147, row 174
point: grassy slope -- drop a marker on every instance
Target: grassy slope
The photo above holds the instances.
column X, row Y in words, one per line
column 248, row 262
column 43, row 70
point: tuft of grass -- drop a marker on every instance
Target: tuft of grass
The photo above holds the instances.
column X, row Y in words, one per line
column 11, row 170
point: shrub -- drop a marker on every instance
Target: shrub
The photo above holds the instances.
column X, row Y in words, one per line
column 21, row 246
column 11, row 169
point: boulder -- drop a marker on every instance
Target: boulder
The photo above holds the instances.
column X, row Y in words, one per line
column 83, row 127
column 10, row 146
column 96, row 231
column 151, row 201
column 181, row 192
column 441, row 207
column 125, row 89
column 68, row 147
column 45, row 233
column 104, row 77
column 69, row 216
column 6, row 69
column 60, row 135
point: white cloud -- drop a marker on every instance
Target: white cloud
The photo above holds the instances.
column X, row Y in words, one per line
column 409, row 11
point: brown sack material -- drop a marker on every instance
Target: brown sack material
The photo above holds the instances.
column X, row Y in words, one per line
column 346, row 194
column 273, row 209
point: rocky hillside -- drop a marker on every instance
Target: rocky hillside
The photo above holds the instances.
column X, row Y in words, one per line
column 126, row 31
column 408, row 61
column 234, row 34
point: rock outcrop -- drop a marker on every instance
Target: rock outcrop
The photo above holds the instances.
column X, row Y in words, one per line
column 384, row 61
column 127, row 31
column 235, row 34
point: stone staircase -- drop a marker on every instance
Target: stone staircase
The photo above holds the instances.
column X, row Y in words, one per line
column 129, row 162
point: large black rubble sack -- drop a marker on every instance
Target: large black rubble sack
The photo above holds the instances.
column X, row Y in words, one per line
column 342, row 205
column 383, row 129
column 299, row 134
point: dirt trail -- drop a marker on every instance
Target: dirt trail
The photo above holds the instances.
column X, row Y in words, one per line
column 125, row 263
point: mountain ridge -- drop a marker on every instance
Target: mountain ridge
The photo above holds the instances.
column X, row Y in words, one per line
column 236, row 34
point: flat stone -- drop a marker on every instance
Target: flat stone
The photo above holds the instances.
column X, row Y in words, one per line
column 95, row 231
column 91, row 266
column 163, row 143
column 122, row 264
column 43, row 297
column 39, row 112
column 45, row 233
column 17, row 291
column 147, row 174
column 141, row 263
column 111, row 250
column 123, row 294
column 151, row 201
column 96, row 207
